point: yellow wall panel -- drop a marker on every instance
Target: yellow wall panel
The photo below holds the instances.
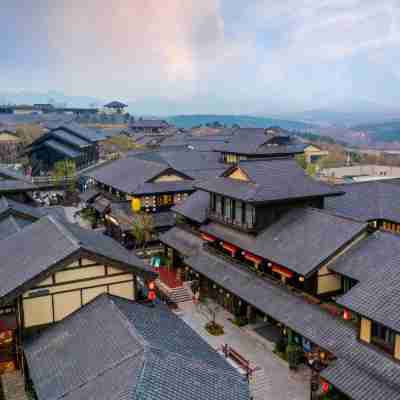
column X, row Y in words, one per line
column 86, row 261
column 239, row 175
column 87, row 284
column 113, row 271
column 37, row 311
column 90, row 294
column 80, row 273
column 46, row 282
column 397, row 347
column 168, row 178
column 365, row 330
column 65, row 304
column 123, row 290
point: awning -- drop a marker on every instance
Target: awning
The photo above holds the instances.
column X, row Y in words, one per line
column 208, row 238
column 231, row 248
column 252, row 257
column 282, row 271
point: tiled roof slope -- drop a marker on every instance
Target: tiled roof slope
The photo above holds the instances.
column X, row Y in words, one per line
column 194, row 207
column 378, row 297
column 372, row 376
column 127, row 174
column 366, row 258
column 270, row 181
column 186, row 243
column 367, row 201
column 301, row 240
column 41, row 245
column 117, row 349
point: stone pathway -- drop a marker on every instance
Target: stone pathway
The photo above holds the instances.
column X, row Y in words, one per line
column 13, row 386
column 280, row 382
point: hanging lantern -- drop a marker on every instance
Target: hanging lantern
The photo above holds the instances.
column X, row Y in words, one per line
column 322, row 355
column 326, row 387
column 152, row 285
column 228, row 295
column 301, row 278
column 346, row 315
column 136, row 204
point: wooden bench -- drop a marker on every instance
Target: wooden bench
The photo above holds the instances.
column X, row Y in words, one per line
column 235, row 356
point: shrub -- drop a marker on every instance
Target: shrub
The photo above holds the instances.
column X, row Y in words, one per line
column 214, row 329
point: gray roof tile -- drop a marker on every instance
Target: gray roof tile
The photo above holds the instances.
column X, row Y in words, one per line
column 194, row 207
column 270, row 181
column 301, row 240
column 115, row 348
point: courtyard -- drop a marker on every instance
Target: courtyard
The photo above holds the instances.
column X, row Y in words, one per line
column 277, row 382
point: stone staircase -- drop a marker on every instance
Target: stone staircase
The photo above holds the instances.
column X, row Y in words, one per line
column 259, row 383
column 176, row 295
column 13, row 386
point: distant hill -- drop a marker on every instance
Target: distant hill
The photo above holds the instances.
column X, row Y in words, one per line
column 189, row 121
column 381, row 132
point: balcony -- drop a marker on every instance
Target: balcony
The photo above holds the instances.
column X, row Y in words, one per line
column 217, row 217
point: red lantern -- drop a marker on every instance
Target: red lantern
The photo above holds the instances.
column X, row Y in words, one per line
column 152, row 285
column 152, row 295
column 346, row 315
column 325, row 387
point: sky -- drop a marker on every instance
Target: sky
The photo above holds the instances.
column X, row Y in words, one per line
column 204, row 56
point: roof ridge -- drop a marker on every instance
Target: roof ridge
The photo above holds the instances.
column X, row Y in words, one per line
column 64, row 230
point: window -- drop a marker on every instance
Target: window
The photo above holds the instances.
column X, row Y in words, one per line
column 218, row 204
column 212, row 201
column 238, row 211
column 382, row 336
column 228, row 208
column 250, row 215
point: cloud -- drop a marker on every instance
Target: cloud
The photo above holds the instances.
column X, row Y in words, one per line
column 132, row 47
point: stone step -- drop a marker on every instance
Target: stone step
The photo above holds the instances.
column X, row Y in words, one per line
column 258, row 384
column 176, row 295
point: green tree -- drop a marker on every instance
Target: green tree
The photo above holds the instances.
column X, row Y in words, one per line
column 65, row 169
column 142, row 229
column 301, row 160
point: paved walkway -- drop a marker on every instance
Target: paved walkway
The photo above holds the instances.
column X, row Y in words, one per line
column 13, row 386
column 281, row 382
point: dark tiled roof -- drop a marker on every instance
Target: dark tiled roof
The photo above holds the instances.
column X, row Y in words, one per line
column 115, row 104
column 10, row 225
column 194, row 207
column 69, row 138
column 371, row 375
column 126, row 218
column 62, row 148
column 270, row 180
column 301, row 240
column 150, row 123
column 186, row 243
column 11, row 185
column 88, row 195
column 366, row 258
column 127, row 174
column 10, row 174
column 165, row 187
column 255, row 141
column 116, row 349
column 378, row 296
column 190, row 162
column 47, row 242
column 8, row 206
column 101, row 204
column 367, row 201
column 83, row 132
